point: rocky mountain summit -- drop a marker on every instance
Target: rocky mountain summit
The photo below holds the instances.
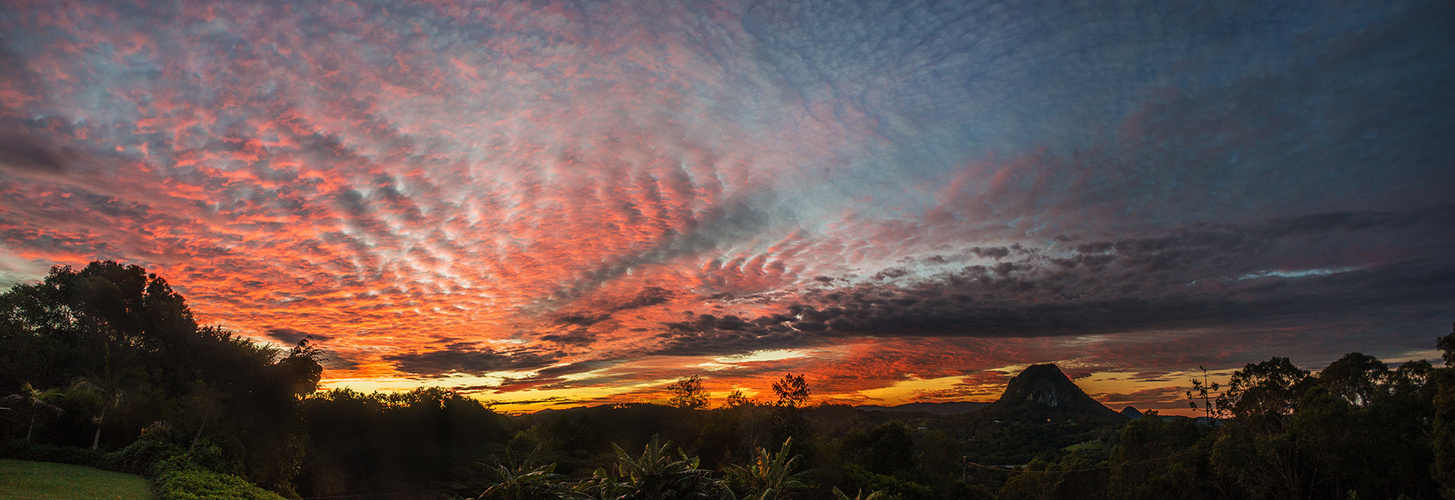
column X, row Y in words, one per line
column 1044, row 392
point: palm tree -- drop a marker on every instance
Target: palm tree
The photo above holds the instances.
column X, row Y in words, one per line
column 111, row 385
column 35, row 401
column 770, row 476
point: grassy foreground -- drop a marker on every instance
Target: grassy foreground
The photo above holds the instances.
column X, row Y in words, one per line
column 25, row 479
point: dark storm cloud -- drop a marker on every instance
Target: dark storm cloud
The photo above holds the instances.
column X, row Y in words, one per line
column 26, row 153
column 576, row 337
column 648, row 297
column 1207, row 275
column 577, row 367
column 461, row 357
column 581, row 319
column 707, row 334
column 580, row 322
column 289, row 336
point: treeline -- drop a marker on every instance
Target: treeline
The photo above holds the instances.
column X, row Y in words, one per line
column 106, row 366
column 1356, row 429
column 92, row 358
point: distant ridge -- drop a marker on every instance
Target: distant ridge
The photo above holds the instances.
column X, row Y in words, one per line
column 953, row 408
column 1044, row 392
column 1132, row 413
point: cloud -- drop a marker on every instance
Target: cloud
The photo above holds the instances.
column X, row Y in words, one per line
column 335, row 362
column 27, row 154
column 289, row 336
column 579, row 337
column 1187, row 277
column 1142, row 399
column 648, row 297
column 465, row 358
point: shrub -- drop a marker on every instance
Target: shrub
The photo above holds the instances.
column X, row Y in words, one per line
column 181, row 479
column 141, row 456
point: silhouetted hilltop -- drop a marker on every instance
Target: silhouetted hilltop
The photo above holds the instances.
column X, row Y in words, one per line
column 1132, row 413
column 1043, row 392
column 954, row 408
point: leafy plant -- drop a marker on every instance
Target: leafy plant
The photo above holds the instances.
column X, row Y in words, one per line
column 875, row 495
column 526, row 483
column 770, row 476
column 655, row 475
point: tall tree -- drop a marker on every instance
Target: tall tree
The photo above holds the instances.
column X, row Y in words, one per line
column 1267, row 389
column 1443, row 427
column 687, row 392
column 1356, row 377
column 125, row 332
column 1446, row 345
column 737, row 398
column 792, row 391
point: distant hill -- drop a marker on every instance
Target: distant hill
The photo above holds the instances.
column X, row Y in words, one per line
column 1132, row 413
column 1044, row 392
column 955, row 408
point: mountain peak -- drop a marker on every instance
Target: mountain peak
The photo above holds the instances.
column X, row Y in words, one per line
column 1044, row 385
column 1044, row 391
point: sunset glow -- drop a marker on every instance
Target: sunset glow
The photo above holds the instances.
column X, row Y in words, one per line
column 553, row 204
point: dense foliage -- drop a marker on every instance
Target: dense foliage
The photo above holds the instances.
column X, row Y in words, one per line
column 180, row 479
column 97, row 355
column 106, row 367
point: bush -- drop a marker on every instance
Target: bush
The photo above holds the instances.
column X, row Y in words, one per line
column 181, row 479
column 140, row 457
column 158, row 443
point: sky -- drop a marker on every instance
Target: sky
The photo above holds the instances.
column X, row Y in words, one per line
column 555, row 203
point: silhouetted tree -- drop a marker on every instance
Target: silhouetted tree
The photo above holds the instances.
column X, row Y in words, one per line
column 1443, row 426
column 687, row 393
column 1356, row 377
column 136, row 349
column 1446, row 345
column 1205, row 391
column 792, row 391
column 737, row 398
column 1266, row 389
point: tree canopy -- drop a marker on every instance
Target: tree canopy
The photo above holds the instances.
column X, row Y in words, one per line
column 127, row 350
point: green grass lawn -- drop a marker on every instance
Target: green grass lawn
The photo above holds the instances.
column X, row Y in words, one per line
column 24, row 479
